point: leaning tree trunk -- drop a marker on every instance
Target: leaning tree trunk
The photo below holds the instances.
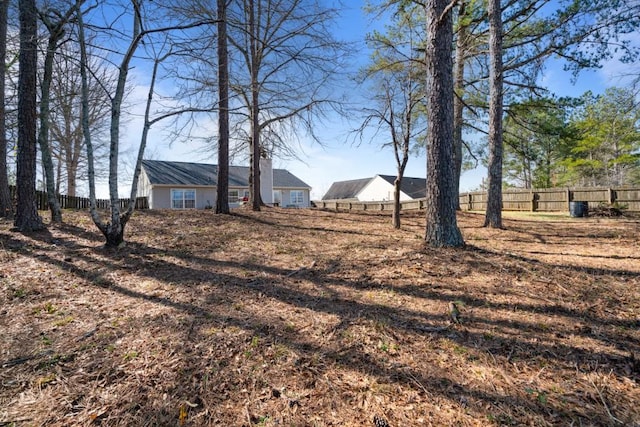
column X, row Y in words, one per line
column 442, row 228
column 493, row 216
column 6, row 204
column 27, row 218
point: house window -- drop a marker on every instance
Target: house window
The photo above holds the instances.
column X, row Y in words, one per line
column 297, row 197
column 237, row 196
column 183, row 199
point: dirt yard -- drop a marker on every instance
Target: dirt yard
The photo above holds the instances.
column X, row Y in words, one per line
column 317, row 318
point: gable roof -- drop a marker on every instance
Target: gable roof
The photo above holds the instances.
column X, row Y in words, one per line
column 416, row 188
column 201, row 174
column 345, row 189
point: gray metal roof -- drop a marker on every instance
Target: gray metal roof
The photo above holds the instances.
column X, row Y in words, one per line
column 345, row 189
column 416, row 188
column 200, row 174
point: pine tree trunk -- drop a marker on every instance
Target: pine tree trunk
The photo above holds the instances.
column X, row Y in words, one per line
column 6, row 204
column 27, row 218
column 442, row 228
column 493, row 216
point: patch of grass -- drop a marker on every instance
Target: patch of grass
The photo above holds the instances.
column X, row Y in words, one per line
column 458, row 349
column 19, row 293
column 49, row 308
column 263, row 420
column 540, row 396
column 64, row 321
column 42, row 382
column 130, row 355
column 255, row 341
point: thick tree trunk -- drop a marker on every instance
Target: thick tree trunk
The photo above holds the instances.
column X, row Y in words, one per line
column 493, row 216
column 27, row 218
column 6, row 204
column 442, row 228
column 222, row 199
column 401, row 163
column 395, row 218
column 71, row 181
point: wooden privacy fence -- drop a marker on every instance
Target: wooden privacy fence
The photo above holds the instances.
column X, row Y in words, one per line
column 536, row 200
column 74, row 202
column 555, row 199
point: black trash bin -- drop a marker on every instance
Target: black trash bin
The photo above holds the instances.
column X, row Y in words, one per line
column 579, row 209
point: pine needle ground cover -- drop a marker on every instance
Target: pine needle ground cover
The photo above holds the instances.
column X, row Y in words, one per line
column 317, row 318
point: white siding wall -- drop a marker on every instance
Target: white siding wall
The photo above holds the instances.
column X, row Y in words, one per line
column 161, row 197
column 266, row 180
column 144, row 187
column 379, row 190
column 286, row 197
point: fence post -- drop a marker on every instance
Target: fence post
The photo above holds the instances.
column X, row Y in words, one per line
column 611, row 196
column 533, row 201
column 568, row 195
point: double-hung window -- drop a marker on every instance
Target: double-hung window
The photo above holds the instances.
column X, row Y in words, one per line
column 297, row 197
column 233, row 196
column 237, row 196
column 183, row 199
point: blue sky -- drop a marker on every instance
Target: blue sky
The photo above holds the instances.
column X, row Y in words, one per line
column 339, row 159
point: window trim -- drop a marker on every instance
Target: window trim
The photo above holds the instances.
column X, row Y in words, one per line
column 237, row 196
column 296, row 202
column 183, row 200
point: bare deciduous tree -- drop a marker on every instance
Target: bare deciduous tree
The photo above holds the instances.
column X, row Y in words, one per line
column 222, row 188
column 67, row 141
column 113, row 229
column 397, row 92
column 55, row 23
column 289, row 58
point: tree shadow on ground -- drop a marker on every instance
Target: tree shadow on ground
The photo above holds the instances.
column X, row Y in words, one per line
column 205, row 289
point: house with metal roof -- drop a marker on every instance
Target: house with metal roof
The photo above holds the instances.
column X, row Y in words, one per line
column 379, row 188
column 182, row 185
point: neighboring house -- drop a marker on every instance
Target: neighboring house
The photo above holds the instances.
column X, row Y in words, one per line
column 379, row 188
column 181, row 185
